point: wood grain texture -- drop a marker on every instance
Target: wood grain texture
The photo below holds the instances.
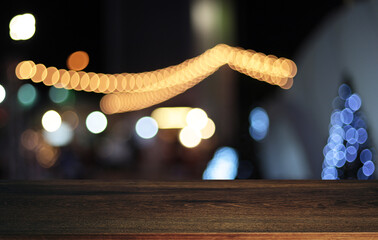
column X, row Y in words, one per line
column 189, row 210
column 205, row 236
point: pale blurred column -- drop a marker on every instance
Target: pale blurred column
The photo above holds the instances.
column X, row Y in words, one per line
column 212, row 23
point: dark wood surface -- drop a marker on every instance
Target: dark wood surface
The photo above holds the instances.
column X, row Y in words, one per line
column 189, row 210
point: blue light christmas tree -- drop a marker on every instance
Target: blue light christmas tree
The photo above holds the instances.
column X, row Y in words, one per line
column 348, row 153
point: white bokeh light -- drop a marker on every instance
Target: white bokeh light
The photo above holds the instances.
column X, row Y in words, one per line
column 209, row 130
column 197, row 118
column 96, row 122
column 22, row 27
column 51, row 121
column 190, row 137
column 2, row 93
column 146, row 127
column 60, row 137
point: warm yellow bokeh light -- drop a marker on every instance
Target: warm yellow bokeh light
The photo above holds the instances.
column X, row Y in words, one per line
column 134, row 91
column 84, row 80
column 25, row 70
column 209, row 130
column 74, row 80
column 78, row 61
column 190, row 137
column 171, row 117
column 64, row 79
column 94, row 81
column 104, row 82
column 196, row 118
column 288, row 84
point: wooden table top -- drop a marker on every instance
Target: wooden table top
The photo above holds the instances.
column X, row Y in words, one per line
column 255, row 209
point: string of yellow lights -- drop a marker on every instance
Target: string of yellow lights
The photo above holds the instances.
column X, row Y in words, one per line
column 135, row 91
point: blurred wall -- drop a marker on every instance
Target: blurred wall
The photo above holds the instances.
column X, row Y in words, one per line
column 345, row 44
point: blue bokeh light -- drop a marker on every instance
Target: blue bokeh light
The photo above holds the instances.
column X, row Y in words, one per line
column 361, row 175
column 353, row 102
column 351, row 135
column 223, row 166
column 368, row 168
column 344, row 91
column 348, row 139
column 336, row 129
column 362, row 135
column 359, row 122
column 336, row 119
column 341, row 163
column 259, row 123
column 338, row 103
column 346, row 116
column 351, row 153
column 329, row 173
column 366, row 155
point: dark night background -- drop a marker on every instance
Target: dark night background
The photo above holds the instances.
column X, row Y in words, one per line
column 136, row 36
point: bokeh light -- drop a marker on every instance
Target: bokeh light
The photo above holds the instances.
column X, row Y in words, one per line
column 27, row 94
column 368, row 168
column 78, row 61
column 30, row 139
column 335, row 118
column 329, row 173
column 348, row 140
column 190, row 137
column 171, row 117
column 259, row 123
column 58, row 95
column 146, row 127
column 25, row 70
column 346, row 116
column 40, row 73
column 344, row 91
column 351, row 135
column 134, row 91
column 71, row 118
column 47, row 155
column 366, row 155
column 223, row 166
column 96, row 122
column 351, row 153
column 209, row 130
column 361, row 175
column 196, row 118
column 362, row 135
column 60, row 137
column 51, row 121
column 353, row 102
column 22, row 27
column 2, row 93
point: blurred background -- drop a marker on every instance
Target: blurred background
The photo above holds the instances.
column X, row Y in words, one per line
column 321, row 128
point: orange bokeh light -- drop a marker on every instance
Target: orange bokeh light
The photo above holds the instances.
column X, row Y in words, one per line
column 40, row 73
column 78, row 61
